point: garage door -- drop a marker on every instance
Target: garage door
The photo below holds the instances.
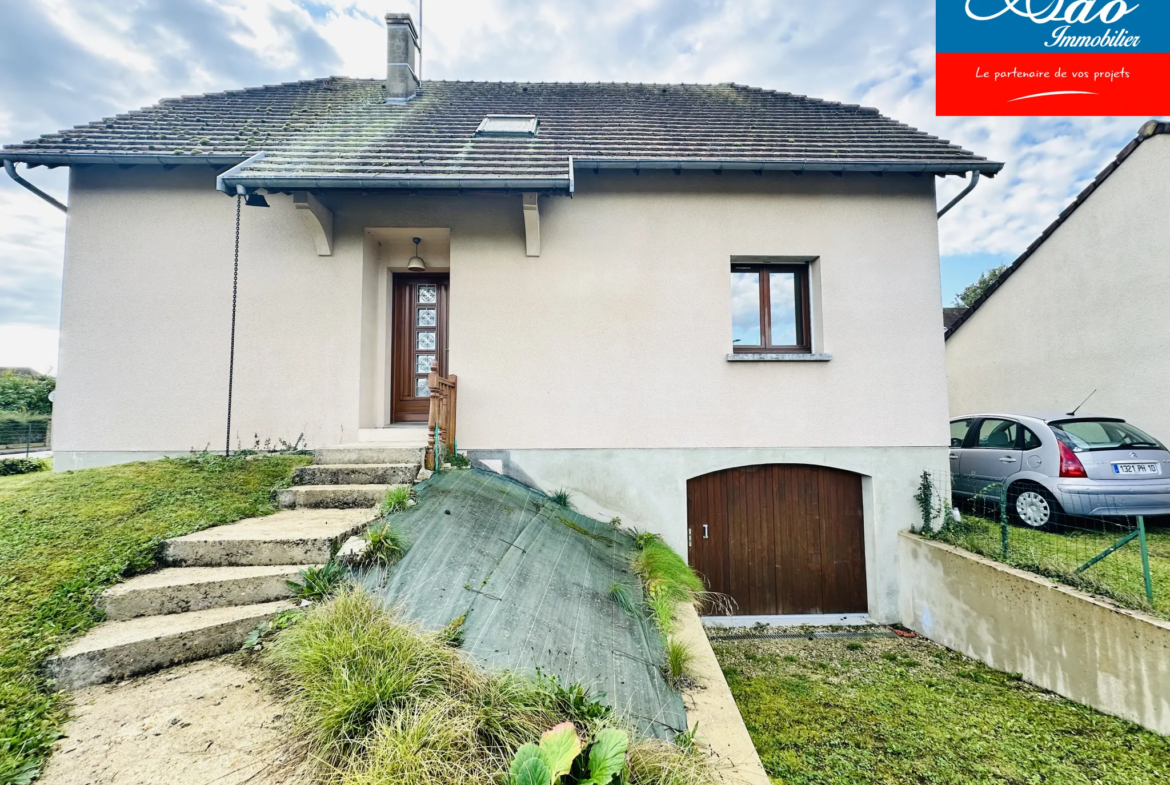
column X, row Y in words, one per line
column 780, row 539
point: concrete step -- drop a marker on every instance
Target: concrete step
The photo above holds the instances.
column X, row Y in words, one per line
column 186, row 589
column 334, row 497
column 412, row 435
column 357, row 474
column 350, row 454
column 120, row 649
column 302, row 536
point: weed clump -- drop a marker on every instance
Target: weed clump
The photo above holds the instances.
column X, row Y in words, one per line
column 377, row 699
column 562, row 497
column 355, row 672
column 397, row 499
column 622, row 595
column 318, row 583
column 386, row 544
column 679, row 659
column 667, row 579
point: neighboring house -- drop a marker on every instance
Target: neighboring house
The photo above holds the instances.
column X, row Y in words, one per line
column 1082, row 309
column 641, row 288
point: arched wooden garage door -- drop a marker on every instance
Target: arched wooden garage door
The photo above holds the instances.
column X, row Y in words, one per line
column 780, row 539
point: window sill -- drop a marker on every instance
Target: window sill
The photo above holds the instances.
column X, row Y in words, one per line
column 765, row 357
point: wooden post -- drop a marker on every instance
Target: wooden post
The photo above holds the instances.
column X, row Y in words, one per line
column 432, row 415
column 454, row 410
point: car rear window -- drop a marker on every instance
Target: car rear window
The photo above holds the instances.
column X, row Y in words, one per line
column 1089, row 435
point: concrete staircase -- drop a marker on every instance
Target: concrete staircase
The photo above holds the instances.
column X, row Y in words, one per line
column 221, row 583
column 357, row 475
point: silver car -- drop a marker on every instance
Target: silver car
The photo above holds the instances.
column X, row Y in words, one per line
column 1057, row 465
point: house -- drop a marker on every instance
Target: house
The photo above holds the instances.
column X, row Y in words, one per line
column 1078, row 312
column 705, row 309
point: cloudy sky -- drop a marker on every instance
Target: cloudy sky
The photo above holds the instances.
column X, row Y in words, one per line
column 65, row 62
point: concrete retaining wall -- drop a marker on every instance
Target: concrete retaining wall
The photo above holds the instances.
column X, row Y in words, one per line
column 1063, row 640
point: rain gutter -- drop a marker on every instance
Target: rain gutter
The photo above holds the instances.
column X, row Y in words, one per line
column 990, row 168
column 11, row 169
column 962, row 194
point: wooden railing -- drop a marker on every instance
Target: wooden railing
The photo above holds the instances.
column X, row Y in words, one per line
column 441, row 417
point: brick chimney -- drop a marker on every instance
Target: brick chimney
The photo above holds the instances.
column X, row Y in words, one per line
column 401, row 58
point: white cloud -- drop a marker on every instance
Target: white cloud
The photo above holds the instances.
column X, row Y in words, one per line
column 25, row 346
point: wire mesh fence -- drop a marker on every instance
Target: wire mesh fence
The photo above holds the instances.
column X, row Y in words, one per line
column 24, row 436
column 1088, row 542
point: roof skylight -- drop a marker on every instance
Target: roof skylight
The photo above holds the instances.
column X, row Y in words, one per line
column 508, row 125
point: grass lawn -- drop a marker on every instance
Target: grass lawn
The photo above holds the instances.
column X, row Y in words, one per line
column 65, row 537
column 1057, row 555
column 889, row 710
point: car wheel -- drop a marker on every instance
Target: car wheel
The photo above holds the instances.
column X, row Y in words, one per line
column 1034, row 507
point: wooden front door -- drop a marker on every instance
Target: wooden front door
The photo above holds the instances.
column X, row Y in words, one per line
column 780, row 539
column 419, row 338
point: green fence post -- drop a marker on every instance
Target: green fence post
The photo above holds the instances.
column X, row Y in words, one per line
column 1003, row 521
column 28, row 440
column 1141, row 523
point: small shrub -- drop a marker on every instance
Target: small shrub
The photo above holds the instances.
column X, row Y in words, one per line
column 386, row 544
column 397, row 499
column 458, row 461
column 13, row 466
column 688, row 740
column 622, row 595
column 927, row 506
column 615, row 522
column 452, row 634
column 679, row 659
column 664, row 571
column 319, row 583
column 560, row 752
column 642, row 539
column 562, row 497
column 577, row 703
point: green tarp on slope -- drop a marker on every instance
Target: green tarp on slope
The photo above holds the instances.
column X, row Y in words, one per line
column 533, row 579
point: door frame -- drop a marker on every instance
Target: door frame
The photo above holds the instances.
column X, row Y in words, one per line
column 409, row 408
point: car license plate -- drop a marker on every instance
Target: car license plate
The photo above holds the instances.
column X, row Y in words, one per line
column 1137, row 468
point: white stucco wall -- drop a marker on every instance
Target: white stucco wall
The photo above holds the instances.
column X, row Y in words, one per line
column 647, row 489
column 146, row 311
column 1084, row 312
column 615, row 337
column 1113, row 659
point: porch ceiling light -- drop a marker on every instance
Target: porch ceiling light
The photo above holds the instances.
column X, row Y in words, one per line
column 416, row 262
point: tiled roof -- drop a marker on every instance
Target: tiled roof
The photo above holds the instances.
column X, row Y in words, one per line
column 338, row 132
column 214, row 128
column 1149, row 129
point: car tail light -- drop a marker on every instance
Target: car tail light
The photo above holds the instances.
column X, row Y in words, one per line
column 1070, row 464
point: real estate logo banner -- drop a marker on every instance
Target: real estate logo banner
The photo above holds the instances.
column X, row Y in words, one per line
column 1053, row 57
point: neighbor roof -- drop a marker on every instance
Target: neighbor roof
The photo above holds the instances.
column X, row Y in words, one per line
column 1148, row 130
column 339, row 132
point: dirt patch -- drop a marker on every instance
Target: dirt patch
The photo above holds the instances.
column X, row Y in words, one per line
column 208, row 722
